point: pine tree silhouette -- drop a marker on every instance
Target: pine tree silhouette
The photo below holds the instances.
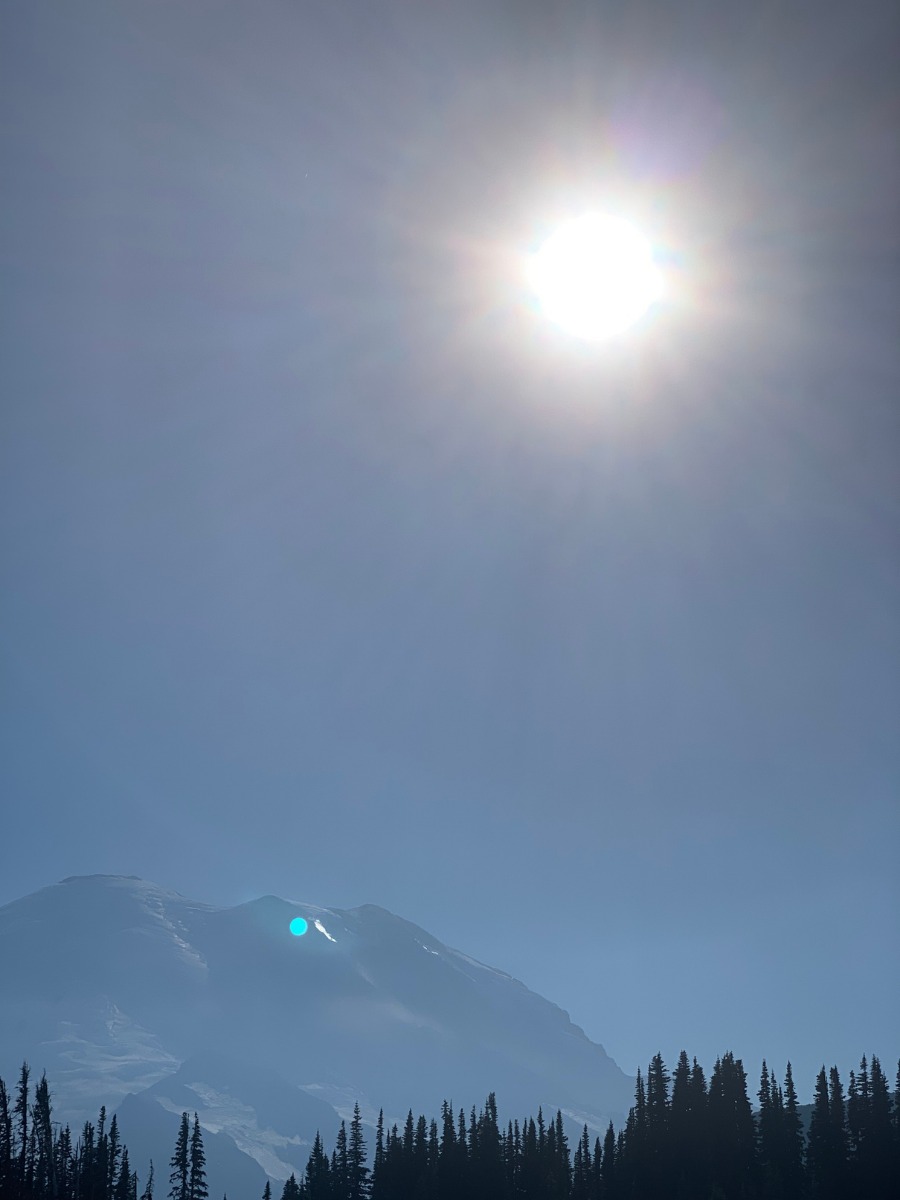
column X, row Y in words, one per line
column 180, row 1163
column 291, row 1190
column 197, row 1189
column 357, row 1171
column 147, row 1193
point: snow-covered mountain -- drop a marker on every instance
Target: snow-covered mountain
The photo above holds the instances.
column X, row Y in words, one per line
column 130, row 995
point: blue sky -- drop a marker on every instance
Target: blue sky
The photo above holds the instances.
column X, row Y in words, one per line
column 330, row 570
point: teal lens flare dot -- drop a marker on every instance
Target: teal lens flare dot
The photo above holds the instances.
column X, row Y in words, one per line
column 298, row 926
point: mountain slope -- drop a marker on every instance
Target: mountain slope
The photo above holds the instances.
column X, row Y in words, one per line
column 117, row 983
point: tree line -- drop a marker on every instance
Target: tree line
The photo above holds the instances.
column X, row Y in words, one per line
column 685, row 1138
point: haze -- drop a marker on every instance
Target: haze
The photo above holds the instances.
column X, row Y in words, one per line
column 331, row 570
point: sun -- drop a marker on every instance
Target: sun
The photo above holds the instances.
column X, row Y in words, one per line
column 594, row 276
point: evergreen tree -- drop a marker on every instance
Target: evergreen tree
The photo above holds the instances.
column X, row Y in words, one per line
column 560, row 1166
column 419, row 1170
column 531, row 1170
column 147, row 1193
column 291, row 1189
column 581, row 1168
column 780, row 1138
column 43, row 1181
column 6, row 1144
column 473, row 1145
column 462, row 1154
column 731, row 1129
column 768, row 1129
column 549, row 1163
column 633, row 1158
column 180, row 1163
column 839, row 1147
column 101, row 1159
column 819, row 1149
column 65, row 1166
column 112, row 1157
column 853, row 1149
column 447, row 1185
column 608, row 1169
column 318, row 1172
column 512, row 1153
column 20, row 1174
column 393, row 1180
column 197, row 1189
column 486, row 1153
column 659, row 1167
column 85, row 1164
column 596, row 1172
column 379, row 1151
column 433, row 1155
column 792, row 1173
column 340, row 1172
column 879, row 1148
column 687, row 1124
column 357, row 1171
column 122, row 1187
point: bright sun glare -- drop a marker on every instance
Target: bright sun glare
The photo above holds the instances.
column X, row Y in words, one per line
column 594, row 276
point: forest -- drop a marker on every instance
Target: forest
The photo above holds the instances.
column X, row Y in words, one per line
column 685, row 1138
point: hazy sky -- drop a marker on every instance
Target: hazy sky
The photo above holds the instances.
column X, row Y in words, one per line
column 331, row 570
